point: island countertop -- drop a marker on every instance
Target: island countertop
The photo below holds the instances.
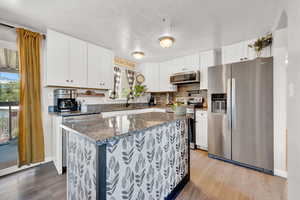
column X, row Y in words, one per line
column 100, row 129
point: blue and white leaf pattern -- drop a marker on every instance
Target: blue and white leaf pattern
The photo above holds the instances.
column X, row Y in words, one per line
column 150, row 179
column 159, row 186
column 150, row 148
column 81, row 164
column 128, row 149
column 140, row 141
column 151, row 163
column 140, row 170
column 112, row 175
column 140, row 195
column 112, row 145
column 158, row 158
column 128, row 184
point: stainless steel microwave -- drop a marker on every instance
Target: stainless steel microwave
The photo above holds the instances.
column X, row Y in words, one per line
column 185, row 77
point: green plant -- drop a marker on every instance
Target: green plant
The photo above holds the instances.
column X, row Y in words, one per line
column 262, row 43
column 175, row 105
column 139, row 90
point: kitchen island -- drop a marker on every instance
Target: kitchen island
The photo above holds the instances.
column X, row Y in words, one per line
column 139, row 156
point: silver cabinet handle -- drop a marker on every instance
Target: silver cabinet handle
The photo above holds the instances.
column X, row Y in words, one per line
column 67, row 80
column 72, row 81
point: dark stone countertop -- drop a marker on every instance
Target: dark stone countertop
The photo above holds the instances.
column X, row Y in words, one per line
column 100, row 129
column 98, row 109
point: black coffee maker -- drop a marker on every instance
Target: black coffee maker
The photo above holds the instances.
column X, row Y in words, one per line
column 152, row 101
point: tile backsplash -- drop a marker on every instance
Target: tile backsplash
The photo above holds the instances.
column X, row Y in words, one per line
column 185, row 90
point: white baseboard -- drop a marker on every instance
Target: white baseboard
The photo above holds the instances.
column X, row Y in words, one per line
column 281, row 173
column 15, row 168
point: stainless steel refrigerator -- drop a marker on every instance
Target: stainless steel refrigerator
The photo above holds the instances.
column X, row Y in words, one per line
column 240, row 114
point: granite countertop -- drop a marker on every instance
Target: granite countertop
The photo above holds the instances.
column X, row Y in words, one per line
column 98, row 109
column 74, row 113
column 100, row 129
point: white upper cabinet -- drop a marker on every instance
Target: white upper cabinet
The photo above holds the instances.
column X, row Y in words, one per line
column 151, row 73
column 234, row 53
column 242, row 52
column 100, row 67
column 190, row 63
column 177, row 65
column 66, row 61
column 165, row 71
column 207, row 59
column 78, row 63
column 75, row 63
column 107, row 69
column 57, row 69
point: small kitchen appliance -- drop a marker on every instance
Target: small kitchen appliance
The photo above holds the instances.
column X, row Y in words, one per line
column 185, row 77
column 65, row 100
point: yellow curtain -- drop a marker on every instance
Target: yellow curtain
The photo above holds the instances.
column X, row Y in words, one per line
column 31, row 139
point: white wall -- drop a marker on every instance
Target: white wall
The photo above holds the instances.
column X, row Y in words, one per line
column 280, row 85
column 293, row 101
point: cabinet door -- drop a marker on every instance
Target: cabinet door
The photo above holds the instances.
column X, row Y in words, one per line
column 94, row 66
column 57, row 69
column 204, row 142
column 151, row 73
column 78, row 63
column 233, row 53
column 207, row 59
column 107, row 69
column 201, row 130
column 191, row 62
column 250, row 51
column 251, row 54
column 57, row 144
column 178, row 64
column 100, row 67
column 165, row 71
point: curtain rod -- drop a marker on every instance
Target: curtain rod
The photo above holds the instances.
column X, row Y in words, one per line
column 10, row 26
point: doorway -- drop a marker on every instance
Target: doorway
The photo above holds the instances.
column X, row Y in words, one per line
column 9, row 107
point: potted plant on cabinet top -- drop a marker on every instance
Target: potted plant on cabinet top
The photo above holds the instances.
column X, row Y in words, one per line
column 261, row 43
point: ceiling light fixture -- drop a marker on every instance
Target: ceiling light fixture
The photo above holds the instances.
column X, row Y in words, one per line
column 138, row 55
column 166, row 41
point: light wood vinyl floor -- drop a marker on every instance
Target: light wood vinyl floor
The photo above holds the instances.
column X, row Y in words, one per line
column 217, row 180
column 210, row 180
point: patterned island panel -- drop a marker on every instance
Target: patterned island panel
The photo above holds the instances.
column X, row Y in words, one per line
column 151, row 164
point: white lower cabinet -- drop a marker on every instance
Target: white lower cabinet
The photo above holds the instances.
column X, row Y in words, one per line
column 57, row 143
column 201, row 130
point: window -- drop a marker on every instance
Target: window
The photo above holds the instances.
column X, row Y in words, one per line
column 124, row 79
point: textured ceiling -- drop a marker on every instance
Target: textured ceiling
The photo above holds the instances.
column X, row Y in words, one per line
column 128, row 25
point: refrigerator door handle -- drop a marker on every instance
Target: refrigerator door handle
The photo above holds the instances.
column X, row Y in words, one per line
column 233, row 104
column 229, row 103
